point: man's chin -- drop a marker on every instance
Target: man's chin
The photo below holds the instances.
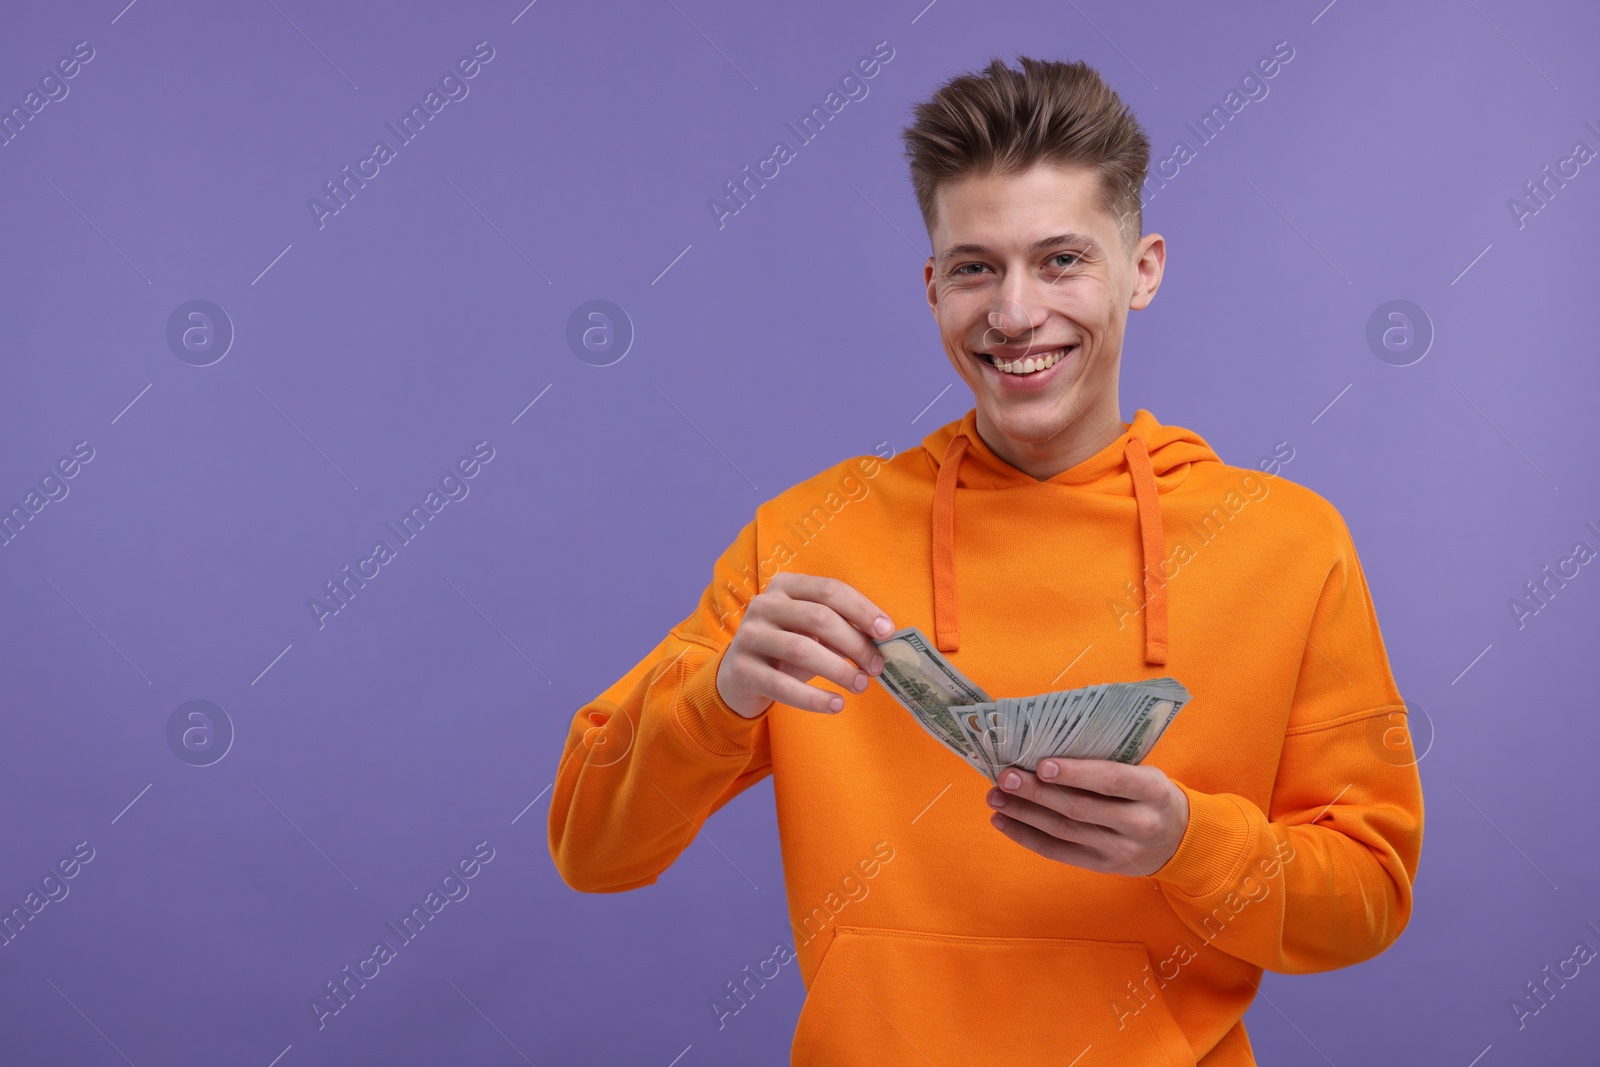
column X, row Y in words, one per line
column 1032, row 422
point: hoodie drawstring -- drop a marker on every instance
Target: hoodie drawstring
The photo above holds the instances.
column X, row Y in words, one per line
column 946, row 629
column 1147, row 501
column 1152, row 542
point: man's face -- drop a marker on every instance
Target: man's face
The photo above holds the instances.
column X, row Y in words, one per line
column 1031, row 267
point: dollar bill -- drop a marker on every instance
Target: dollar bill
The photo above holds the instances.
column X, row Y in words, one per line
column 928, row 686
column 1119, row 721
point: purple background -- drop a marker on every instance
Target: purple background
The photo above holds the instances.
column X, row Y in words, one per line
column 428, row 313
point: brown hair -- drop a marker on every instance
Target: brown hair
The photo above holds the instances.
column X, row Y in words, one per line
column 1006, row 121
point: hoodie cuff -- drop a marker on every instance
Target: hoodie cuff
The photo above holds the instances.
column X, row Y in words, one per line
column 705, row 717
column 1213, row 845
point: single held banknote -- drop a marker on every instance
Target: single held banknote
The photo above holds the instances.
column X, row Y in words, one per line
column 1116, row 721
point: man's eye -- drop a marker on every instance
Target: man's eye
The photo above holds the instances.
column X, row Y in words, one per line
column 1073, row 256
column 962, row 269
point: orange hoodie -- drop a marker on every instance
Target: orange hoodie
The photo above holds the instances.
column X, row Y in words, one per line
column 923, row 934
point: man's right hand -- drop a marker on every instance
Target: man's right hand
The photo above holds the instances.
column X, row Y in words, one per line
column 803, row 626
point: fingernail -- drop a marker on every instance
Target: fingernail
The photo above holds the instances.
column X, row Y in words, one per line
column 883, row 627
column 876, row 665
column 997, row 799
column 1010, row 780
column 861, row 682
column 997, row 821
column 1048, row 770
column 836, row 703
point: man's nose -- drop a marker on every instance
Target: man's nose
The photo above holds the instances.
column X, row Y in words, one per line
column 1009, row 320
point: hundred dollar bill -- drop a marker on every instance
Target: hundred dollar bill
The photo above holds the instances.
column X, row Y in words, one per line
column 1153, row 713
column 1120, row 721
column 928, row 686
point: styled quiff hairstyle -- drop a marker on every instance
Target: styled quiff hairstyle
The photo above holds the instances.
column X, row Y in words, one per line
column 1006, row 121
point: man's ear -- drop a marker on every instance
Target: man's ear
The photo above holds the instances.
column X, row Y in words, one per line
column 1149, row 260
column 933, row 292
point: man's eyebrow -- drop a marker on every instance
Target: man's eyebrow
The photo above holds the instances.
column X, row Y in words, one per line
column 1037, row 246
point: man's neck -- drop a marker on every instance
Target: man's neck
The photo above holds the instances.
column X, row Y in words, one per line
column 1083, row 437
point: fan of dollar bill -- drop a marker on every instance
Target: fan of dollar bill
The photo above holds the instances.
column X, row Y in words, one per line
column 1116, row 721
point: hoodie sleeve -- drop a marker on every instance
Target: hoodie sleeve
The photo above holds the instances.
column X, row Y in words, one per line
column 655, row 755
column 1323, row 879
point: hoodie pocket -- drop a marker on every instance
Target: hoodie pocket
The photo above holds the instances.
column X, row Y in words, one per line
column 890, row 997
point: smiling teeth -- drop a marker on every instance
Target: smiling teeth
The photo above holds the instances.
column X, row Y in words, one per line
column 1030, row 364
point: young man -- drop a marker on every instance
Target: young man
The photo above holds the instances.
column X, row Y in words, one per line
column 1120, row 913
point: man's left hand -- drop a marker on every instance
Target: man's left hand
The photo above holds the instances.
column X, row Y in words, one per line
column 1115, row 818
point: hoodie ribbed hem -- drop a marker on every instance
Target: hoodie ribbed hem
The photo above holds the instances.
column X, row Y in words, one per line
column 704, row 716
column 1213, row 846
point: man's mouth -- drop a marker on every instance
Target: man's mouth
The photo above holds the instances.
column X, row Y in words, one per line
column 1029, row 364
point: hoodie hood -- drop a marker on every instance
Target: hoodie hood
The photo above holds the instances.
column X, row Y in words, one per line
column 1146, row 460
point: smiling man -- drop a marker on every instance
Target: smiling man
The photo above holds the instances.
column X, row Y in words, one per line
column 1118, row 914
